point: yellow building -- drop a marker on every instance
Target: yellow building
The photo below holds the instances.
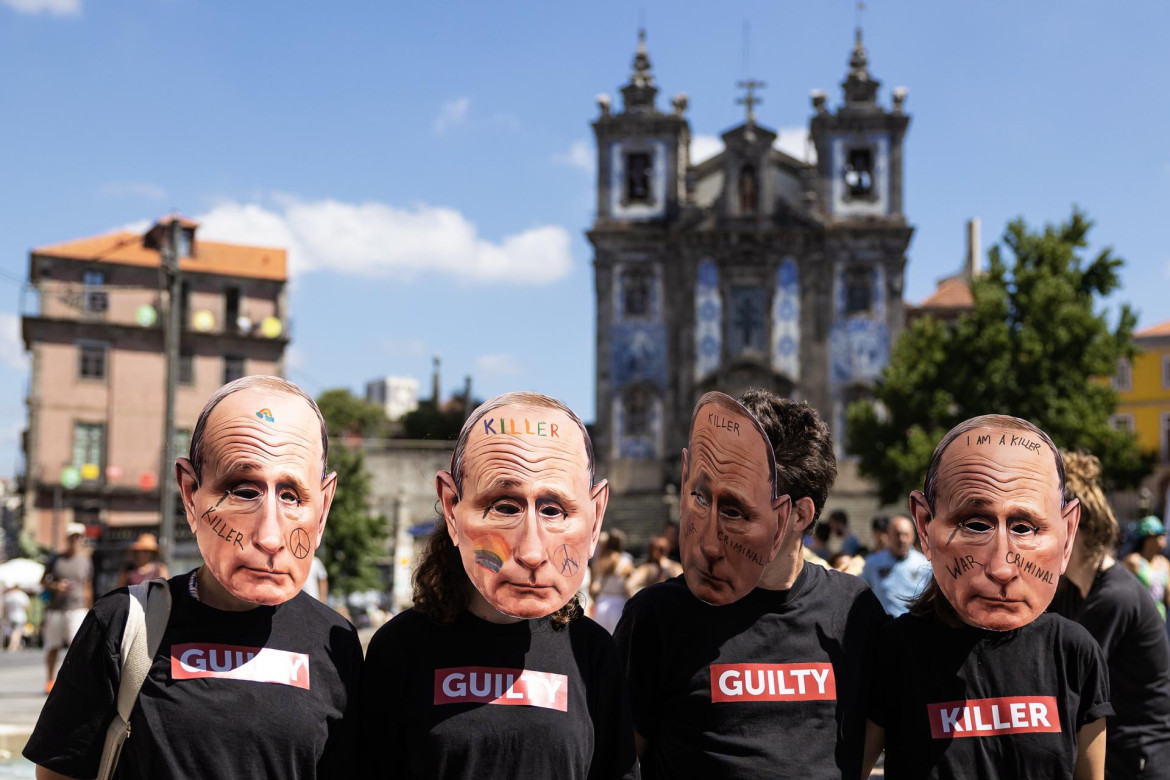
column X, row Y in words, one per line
column 1144, row 408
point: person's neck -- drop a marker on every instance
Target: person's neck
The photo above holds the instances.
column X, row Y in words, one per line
column 782, row 572
column 215, row 595
column 482, row 609
column 1083, row 567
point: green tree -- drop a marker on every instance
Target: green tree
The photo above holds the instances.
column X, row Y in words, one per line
column 1034, row 346
column 354, row 536
column 346, row 414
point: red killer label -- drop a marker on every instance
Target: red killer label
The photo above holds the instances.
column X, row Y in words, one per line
column 232, row 662
column 991, row 717
column 772, row 682
column 492, row 685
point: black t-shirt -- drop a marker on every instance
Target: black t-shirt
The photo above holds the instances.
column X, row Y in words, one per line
column 769, row 686
column 1121, row 616
column 434, row 701
column 966, row 702
column 270, row 692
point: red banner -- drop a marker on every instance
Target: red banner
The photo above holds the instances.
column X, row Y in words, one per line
column 991, row 717
column 232, row 662
column 773, row 682
column 492, row 685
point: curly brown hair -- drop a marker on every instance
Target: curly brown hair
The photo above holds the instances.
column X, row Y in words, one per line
column 441, row 585
column 1098, row 529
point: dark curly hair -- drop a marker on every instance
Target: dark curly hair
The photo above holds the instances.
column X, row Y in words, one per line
column 441, row 585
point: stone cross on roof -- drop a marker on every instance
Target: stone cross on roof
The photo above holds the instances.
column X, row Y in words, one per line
column 750, row 99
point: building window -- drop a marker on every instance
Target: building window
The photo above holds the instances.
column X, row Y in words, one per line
column 637, row 413
column 1123, row 378
column 231, row 309
column 94, row 299
column 186, row 367
column 639, row 170
column 1122, row 422
column 1166, row 372
column 233, row 368
column 635, row 294
column 746, row 326
column 859, row 172
column 749, row 190
column 186, row 242
column 87, row 448
column 92, row 364
column 858, row 291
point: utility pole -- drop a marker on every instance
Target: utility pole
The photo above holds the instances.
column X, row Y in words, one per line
column 171, row 334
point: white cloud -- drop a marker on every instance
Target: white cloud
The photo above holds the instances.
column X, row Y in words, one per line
column 580, row 156
column 704, row 147
column 451, row 114
column 11, row 346
column 53, row 7
column 795, row 142
column 498, row 365
column 378, row 240
column 134, row 189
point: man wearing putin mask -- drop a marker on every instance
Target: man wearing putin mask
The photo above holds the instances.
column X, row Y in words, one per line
column 979, row 681
column 251, row 677
column 495, row 671
column 753, row 659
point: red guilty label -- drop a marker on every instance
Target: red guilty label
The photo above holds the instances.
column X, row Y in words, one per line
column 773, row 682
column 492, row 685
column 232, row 662
column 990, row 717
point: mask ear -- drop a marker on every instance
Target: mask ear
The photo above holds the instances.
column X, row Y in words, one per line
column 600, row 499
column 922, row 515
column 188, row 483
column 1071, row 516
column 328, row 490
column 448, row 498
column 784, row 517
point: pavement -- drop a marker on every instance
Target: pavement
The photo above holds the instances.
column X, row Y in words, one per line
column 22, row 694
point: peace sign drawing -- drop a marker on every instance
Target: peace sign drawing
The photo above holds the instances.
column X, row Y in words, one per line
column 298, row 542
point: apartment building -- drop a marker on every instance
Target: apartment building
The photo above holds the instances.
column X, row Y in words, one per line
column 93, row 319
column 1143, row 385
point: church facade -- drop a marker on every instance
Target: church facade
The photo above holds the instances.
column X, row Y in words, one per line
column 749, row 269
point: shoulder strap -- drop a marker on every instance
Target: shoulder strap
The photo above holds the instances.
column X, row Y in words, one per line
column 146, row 621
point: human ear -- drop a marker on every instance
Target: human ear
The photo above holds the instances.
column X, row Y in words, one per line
column 922, row 515
column 448, row 498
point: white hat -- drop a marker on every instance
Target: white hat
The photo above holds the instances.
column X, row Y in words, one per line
column 74, row 529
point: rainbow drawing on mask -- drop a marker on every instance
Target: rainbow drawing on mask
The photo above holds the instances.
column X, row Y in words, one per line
column 490, row 552
column 266, row 415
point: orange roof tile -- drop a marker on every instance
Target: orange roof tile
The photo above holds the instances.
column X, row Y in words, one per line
column 210, row 257
column 1161, row 329
column 951, row 293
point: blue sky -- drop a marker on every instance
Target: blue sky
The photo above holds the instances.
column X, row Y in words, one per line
column 430, row 165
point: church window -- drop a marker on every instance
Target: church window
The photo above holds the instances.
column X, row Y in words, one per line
column 747, row 321
column 858, row 291
column 859, row 172
column 635, row 294
column 638, row 172
column 1123, row 376
column 637, row 413
column 749, row 195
